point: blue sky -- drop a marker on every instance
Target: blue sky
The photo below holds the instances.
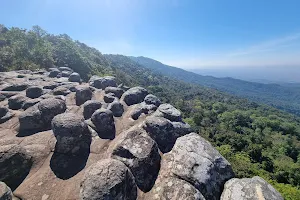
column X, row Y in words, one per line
column 183, row 33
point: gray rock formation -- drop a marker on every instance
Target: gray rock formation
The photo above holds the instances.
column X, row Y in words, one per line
column 109, row 98
column 89, row 107
column 134, row 95
column 142, row 108
column 151, row 99
column 103, row 122
column 140, row 153
column 116, row 107
column 15, row 87
column 74, row 77
column 34, row 92
column 169, row 112
column 16, row 102
column 248, row 189
column 83, row 94
column 103, row 82
column 108, row 179
column 30, row 102
column 115, row 90
column 5, row 114
column 61, row 90
column 54, row 73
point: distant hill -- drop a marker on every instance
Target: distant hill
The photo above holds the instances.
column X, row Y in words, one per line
column 283, row 96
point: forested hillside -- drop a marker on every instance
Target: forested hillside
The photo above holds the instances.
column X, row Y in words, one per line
column 285, row 97
column 256, row 139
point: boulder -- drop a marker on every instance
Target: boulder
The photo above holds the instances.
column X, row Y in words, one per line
column 116, row 108
column 71, row 133
column 134, row 95
column 165, row 132
column 61, row 90
column 51, row 86
column 151, row 99
column 195, row 160
column 169, row 112
column 103, row 82
column 104, row 124
column 34, row 92
column 54, row 73
column 65, row 69
column 109, row 98
column 89, row 107
column 30, row 102
column 5, row 114
column 15, row 164
column 140, row 154
column 173, row 188
column 142, row 108
column 115, row 90
column 16, row 87
column 82, row 95
column 248, row 189
column 66, row 73
column 5, row 192
column 16, row 102
column 108, row 179
column 74, row 77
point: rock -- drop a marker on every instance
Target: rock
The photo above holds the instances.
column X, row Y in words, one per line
column 195, row 160
column 117, row 108
column 15, row 164
column 61, row 90
column 142, row 108
column 51, row 86
column 103, row 82
column 66, row 73
column 109, row 98
column 71, row 133
column 83, row 94
column 108, row 179
column 16, row 87
column 89, row 107
column 115, row 90
column 151, row 99
column 74, row 77
column 248, row 189
column 54, row 73
column 165, row 132
column 16, row 102
column 123, row 87
column 34, row 92
column 40, row 115
column 173, row 188
column 134, row 95
column 65, row 69
column 104, row 124
column 30, row 102
column 140, row 154
column 5, row 114
column 169, row 112
column 5, row 192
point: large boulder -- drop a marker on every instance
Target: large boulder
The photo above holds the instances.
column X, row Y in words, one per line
column 82, row 95
column 15, row 87
column 116, row 108
column 30, row 102
column 61, row 90
column 74, row 77
column 71, row 133
column 54, row 73
column 103, row 82
column 115, row 90
column 34, row 92
column 5, row 114
column 40, row 115
column 173, row 188
column 165, row 132
column 16, row 102
column 109, row 98
column 5, row 192
column 89, row 107
column 169, row 112
column 66, row 73
column 108, row 179
column 141, row 108
column 103, row 122
column 151, row 99
column 15, row 164
column 134, row 95
column 248, row 189
column 195, row 160
column 140, row 153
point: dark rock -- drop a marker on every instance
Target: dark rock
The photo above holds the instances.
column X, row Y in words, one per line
column 140, row 153
column 108, row 179
column 151, row 99
column 134, row 95
column 89, row 107
column 61, row 90
column 195, row 160
column 142, row 108
column 65, row 69
column 15, row 164
column 108, row 98
column 173, row 188
column 83, row 94
column 16, row 87
column 169, row 112
column 54, row 73
column 71, row 133
column 248, row 189
column 5, row 192
column 50, row 108
column 30, row 102
column 104, row 123
column 34, row 92
column 51, row 86
column 16, row 102
column 103, row 82
column 165, row 132
column 115, row 90
column 21, row 76
column 66, row 73
column 117, row 108
column 5, row 114
column 74, row 77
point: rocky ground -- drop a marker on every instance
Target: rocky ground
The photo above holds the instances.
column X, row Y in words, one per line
column 64, row 139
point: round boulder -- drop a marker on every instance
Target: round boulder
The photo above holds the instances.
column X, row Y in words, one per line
column 74, row 77
column 53, row 73
column 169, row 112
column 16, row 102
column 103, row 82
column 34, row 92
column 71, row 133
column 61, row 90
column 140, row 153
column 116, row 108
column 104, row 123
column 108, row 179
column 89, row 107
column 115, row 90
column 82, row 95
column 134, row 95
column 108, row 98
column 151, row 99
